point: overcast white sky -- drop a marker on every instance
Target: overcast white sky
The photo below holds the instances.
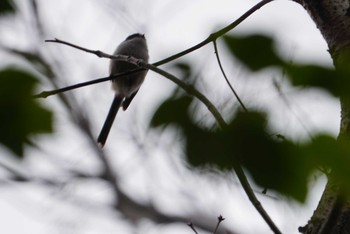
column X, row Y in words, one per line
column 170, row 27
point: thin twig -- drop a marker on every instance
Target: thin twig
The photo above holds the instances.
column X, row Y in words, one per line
column 254, row 200
column 46, row 94
column 220, row 219
column 190, row 224
column 99, row 54
column 212, row 37
column 96, row 52
column 192, row 91
column 227, row 81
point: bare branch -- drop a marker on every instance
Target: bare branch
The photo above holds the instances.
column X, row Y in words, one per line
column 98, row 53
column 227, row 81
column 190, row 224
column 220, row 219
column 212, row 37
column 46, row 94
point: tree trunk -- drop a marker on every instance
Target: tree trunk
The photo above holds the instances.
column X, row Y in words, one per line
column 332, row 17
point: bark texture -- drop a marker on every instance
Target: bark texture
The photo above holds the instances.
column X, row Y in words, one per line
column 332, row 18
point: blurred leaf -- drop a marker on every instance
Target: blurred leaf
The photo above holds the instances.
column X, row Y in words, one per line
column 185, row 68
column 6, row 6
column 20, row 115
column 273, row 163
column 172, row 111
column 205, row 147
column 336, row 82
column 33, row 58
column 214, row 147
column 331, row 153
column 255, row 51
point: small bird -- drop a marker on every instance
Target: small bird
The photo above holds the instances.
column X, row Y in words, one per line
column 125, row 87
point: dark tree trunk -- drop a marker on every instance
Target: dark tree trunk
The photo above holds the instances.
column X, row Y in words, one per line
column 332, row 17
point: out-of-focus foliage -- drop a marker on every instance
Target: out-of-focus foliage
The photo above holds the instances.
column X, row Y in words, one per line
column 274, row 162
column 257, row 52
column 336, row 82
column 21, row 116
column 6, row 6
column 34, row 59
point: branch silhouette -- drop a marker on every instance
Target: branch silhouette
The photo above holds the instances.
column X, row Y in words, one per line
column 226, row 79
column 214, row 36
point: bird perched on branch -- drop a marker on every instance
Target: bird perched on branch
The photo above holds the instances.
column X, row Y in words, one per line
column 126, row 86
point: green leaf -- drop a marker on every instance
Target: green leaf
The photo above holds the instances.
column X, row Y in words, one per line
column 273, row 164
column 185, row 68
column 205, row 147
column 306, row 75
column 35, row 59
column 255, row 51
column 172, row 111
column 6, row 6
column 328, row 152
column 21, row 116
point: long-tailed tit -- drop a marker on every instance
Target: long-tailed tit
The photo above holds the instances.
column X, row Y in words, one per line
column 125, row 87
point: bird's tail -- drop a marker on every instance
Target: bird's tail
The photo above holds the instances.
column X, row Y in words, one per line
column 102, row 138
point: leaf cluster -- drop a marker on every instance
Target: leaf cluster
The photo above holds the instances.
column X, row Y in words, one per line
column 21, row 116
column 274, row 162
